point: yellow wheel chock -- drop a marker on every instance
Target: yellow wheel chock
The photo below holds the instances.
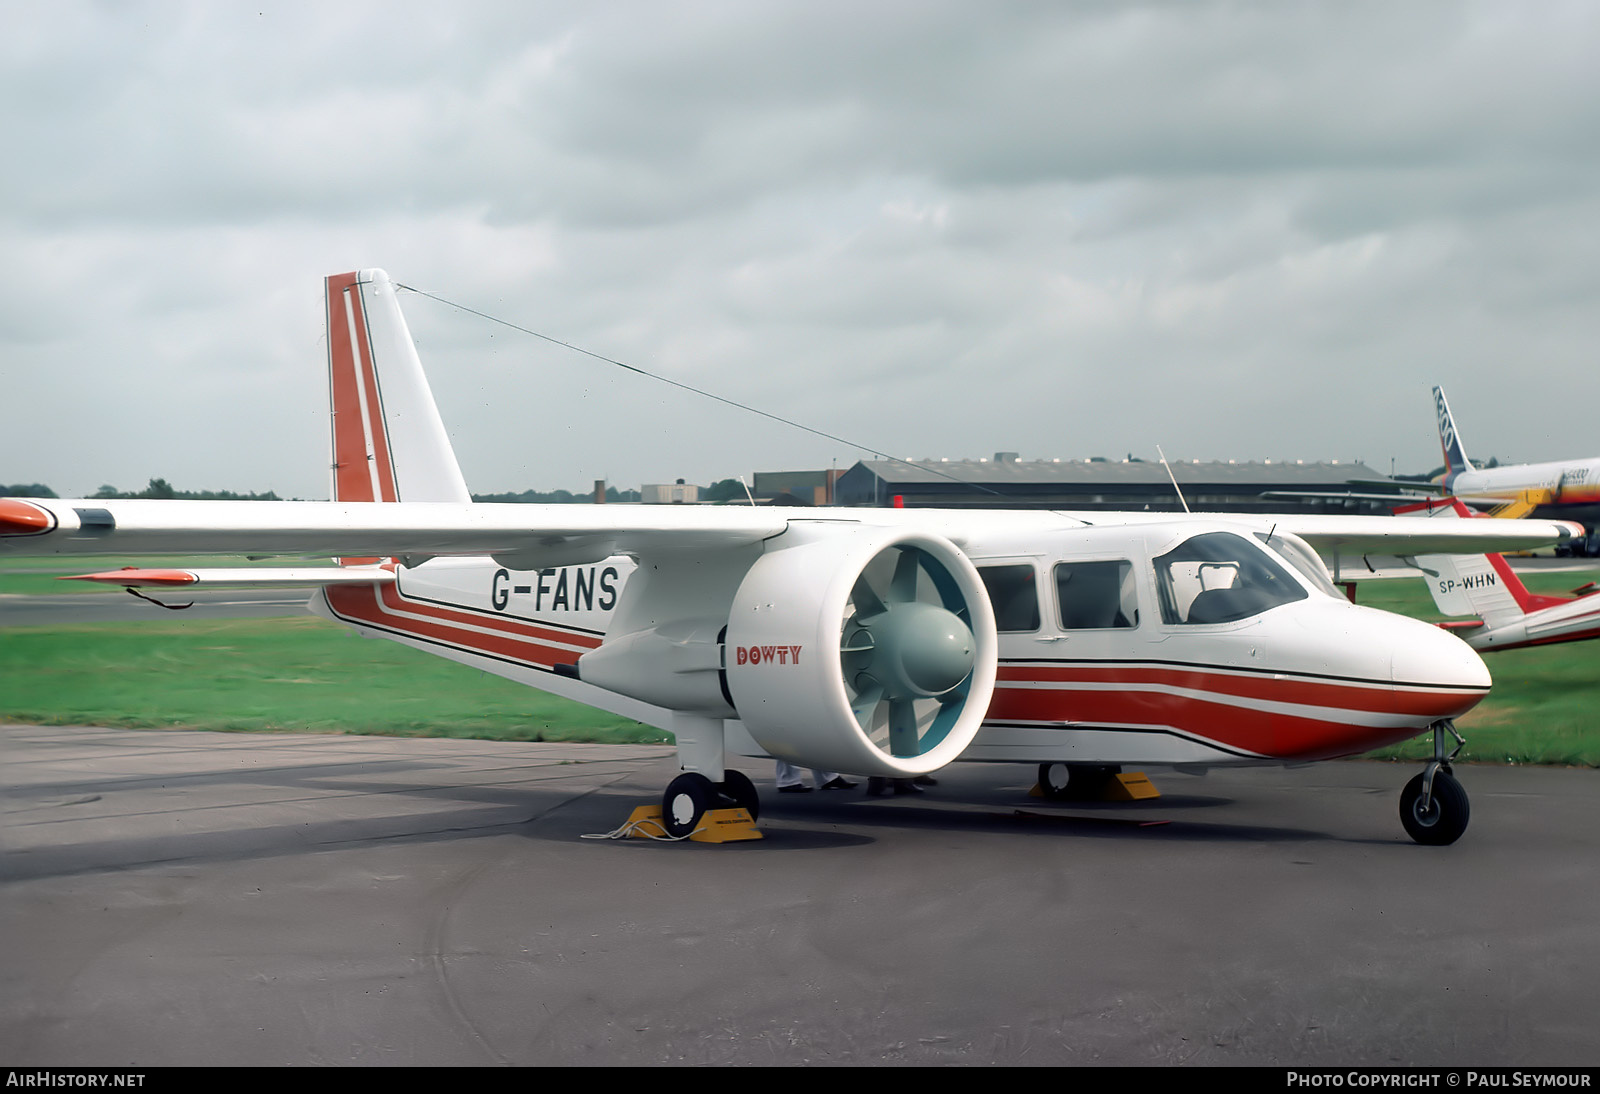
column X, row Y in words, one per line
column 716, row 826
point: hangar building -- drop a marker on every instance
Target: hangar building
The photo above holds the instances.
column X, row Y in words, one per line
column 1007, row 482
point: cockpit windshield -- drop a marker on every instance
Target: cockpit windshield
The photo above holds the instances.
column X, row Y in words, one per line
column 1220, row 577
column 1298, row 553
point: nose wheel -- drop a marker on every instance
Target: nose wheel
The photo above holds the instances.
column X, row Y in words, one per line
column 1433, row 807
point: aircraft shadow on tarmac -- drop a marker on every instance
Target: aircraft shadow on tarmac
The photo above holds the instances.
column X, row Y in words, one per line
column 847, row 818
column 1025, row 818
column 551, row 808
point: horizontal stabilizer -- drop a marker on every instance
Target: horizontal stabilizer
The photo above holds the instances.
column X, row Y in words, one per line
column 258, row 577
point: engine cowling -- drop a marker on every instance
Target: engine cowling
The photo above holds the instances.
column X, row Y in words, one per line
column 871, row 651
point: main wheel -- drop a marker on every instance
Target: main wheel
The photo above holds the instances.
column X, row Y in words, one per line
column 1089, row 780
column 1446, row 816
column 1054, row 780
column 1075, row 782
column 737, row 788
column 685, row 802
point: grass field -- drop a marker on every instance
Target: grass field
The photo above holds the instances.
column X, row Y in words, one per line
column 299, row 674
column 304, row 674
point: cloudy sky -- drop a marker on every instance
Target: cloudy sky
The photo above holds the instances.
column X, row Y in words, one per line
column 1239, row 231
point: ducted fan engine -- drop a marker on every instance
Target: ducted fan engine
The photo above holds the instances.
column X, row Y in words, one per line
column 869, row 651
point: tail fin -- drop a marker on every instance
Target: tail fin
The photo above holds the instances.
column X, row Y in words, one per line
column 1480, row 585
column 1455, row 457
column 389, row 443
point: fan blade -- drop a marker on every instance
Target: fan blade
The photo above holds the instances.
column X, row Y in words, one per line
column 903, row 728
column 903, row 587
column 867, row 602
column 866, row 705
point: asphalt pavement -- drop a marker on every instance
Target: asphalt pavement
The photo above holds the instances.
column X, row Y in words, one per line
column 198, row 898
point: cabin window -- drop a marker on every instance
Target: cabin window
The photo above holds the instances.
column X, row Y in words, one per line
column 1014, row 595
column 1219, row 578
column 1096, row 595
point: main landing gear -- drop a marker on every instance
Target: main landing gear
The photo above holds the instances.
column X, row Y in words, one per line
column 1076, row 782
column 1433, row 806
column 691, row 794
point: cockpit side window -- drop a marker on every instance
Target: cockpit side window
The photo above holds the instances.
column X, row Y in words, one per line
column 1096, row 595
column 1219, row 577
column 1014, row 595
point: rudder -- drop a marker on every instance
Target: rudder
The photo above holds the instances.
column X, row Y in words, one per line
column 1480, row 585
column 388, row 441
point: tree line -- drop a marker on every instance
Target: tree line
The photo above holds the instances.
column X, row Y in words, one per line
column 161, row 489
column 157, row 488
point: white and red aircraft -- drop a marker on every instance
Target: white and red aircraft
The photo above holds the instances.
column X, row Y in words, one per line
column 1509, row 616
column 882, row 642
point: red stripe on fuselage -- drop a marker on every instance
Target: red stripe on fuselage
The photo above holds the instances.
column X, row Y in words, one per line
column 1231, row 728
column 1137, row 698
column 1354, row 696
column 394, row 598
column 515, row 641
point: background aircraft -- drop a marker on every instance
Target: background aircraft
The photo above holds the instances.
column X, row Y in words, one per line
column 1509, row 616
column 1568, row 489
column 1564, row 489
column 875, row 642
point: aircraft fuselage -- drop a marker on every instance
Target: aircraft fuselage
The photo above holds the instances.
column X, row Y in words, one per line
column 1105, row 655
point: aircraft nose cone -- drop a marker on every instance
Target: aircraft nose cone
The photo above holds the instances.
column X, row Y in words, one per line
column 1431, row 657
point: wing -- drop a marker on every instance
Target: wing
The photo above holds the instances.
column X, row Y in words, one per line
column 1351, row 495
column 535, row 536
column 1352, row 536
column 524, row 537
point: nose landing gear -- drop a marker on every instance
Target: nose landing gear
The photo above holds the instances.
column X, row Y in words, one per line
column 1433, row 806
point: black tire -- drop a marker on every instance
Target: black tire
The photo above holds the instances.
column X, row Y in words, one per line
column 685, row 802
column 737, row 788
column 1075, row 782
column 1089, row 780
column 1054, row 780
column 1447, row 813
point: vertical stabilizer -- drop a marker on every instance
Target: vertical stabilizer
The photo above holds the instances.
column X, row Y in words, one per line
column 389, row 443
column 1455, row 457
column 1480, row 585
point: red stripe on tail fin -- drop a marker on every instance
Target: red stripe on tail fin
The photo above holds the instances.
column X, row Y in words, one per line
column 362, row 468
